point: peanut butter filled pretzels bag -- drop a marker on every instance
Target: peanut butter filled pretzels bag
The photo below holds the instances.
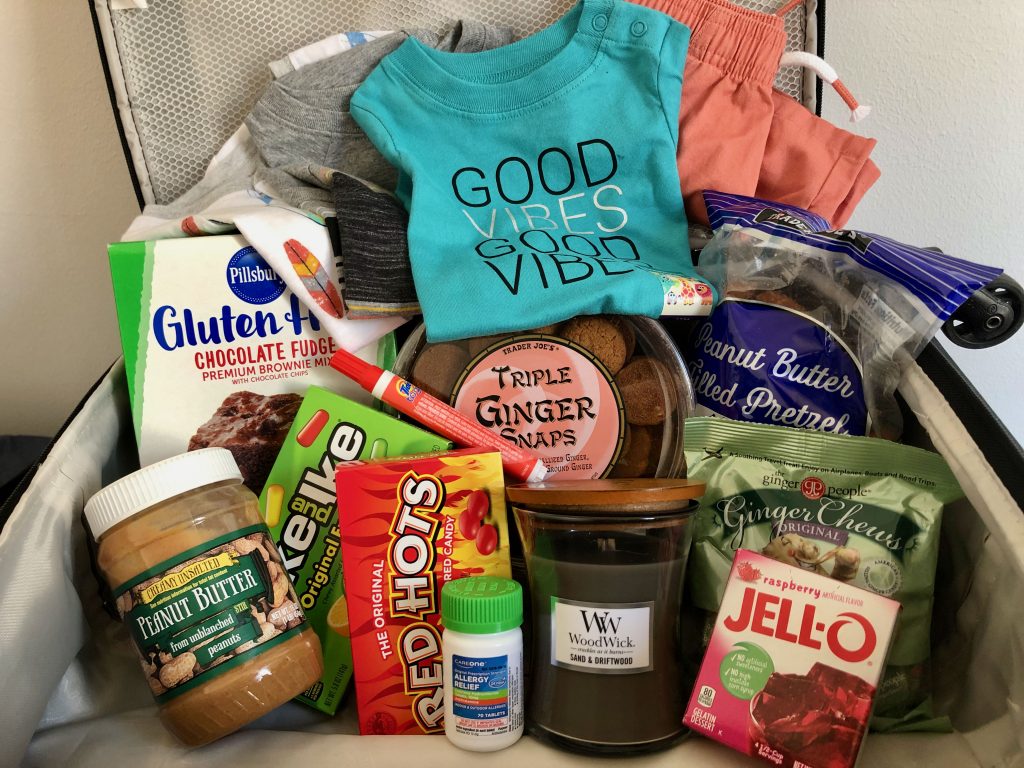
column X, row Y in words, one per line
column 816, row 325
column 858, row 510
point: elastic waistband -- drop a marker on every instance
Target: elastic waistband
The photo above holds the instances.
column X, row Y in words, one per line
column 742, row 43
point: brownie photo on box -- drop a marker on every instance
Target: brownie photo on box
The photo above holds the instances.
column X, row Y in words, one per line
column 253, row 427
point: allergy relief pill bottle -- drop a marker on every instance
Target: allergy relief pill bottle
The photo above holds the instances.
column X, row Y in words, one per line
column 483, row 662
column 200, row 587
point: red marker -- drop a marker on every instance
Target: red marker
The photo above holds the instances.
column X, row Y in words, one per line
column 436, row 415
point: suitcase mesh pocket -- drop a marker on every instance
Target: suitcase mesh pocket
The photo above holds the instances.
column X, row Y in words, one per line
column 194, row 68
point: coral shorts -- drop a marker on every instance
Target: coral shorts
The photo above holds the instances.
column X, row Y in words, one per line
column 738, row 134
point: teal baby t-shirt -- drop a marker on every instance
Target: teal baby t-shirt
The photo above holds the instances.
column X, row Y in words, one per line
column 540, row 177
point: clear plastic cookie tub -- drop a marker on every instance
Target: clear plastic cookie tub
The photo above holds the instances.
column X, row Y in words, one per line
column 595, row 396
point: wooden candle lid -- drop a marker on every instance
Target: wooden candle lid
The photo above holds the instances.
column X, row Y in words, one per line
column 625, row 496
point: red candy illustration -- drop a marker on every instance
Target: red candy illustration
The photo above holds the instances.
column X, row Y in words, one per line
column 478, row 504
column 308, row 434
column 486, row 539
column 469, row 524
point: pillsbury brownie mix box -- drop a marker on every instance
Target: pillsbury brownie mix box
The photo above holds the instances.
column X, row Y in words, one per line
column 217, row 350
column 300, row 507
column 791, row 673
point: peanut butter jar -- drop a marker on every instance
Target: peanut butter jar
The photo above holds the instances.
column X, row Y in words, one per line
column 200, row 586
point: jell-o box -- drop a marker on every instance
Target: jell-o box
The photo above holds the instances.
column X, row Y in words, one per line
column 299, row 505
column 408, row 526
column 792, row 670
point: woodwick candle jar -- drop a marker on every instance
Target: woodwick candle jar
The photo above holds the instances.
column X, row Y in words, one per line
column 606, row 561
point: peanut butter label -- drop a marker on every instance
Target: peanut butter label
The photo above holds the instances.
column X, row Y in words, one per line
column 208, row 610
column 549, row 396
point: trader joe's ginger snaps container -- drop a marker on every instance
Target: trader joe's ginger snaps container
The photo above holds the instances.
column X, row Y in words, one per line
column 202, row 592
column 594, row 396
column 606, row 560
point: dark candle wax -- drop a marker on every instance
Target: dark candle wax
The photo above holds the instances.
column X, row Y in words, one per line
column 608, row 698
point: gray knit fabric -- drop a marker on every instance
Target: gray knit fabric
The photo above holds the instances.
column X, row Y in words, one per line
column 373, row 245
column 303, row 132
column 302, row 126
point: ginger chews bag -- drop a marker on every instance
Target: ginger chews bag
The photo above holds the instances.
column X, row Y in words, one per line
column 856, row 509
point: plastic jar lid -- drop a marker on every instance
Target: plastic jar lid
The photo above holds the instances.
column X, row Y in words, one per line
column 634, row 495
column 481, row 605
column 596, row 396
column 158, row 482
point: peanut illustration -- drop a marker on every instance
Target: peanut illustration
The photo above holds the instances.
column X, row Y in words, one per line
column 282, row 588
column 261, row 545
column 248, row 545
column 178, row 670
column 269, row 631
column 153, row 678
column 245, row 546
column 125, row 603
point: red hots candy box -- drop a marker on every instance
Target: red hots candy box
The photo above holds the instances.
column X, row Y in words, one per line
column 408, row 525
column 791, row 671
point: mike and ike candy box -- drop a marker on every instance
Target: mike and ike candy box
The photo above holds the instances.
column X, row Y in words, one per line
column 408, row 526
column 300, row 508
column 792, row 670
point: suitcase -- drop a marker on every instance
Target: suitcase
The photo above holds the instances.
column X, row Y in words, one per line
column 71, row 693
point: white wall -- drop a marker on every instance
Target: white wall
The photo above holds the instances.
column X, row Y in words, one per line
column 943, row 77
column 941, row 74
column 64, row 192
